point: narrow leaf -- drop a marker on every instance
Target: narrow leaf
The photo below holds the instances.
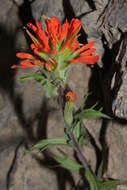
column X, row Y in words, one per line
column 50, row 90
column 77, row 130
column 91, row 114
column 46, row 143
column 32, row 76
column 44, row 55
column 92, row 180
column 68, row 163
column 68, row 113
column 65, row 55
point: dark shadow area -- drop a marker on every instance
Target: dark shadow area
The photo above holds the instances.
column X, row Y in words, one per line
column 7, row 49
column 111, row 67
column 122, row 43
column 68, row 10
column 91, row 4
column 25, row 15
column 101, row 93
column 84, row 14
column 109, row 95
column 105, row 148
column 98, row 94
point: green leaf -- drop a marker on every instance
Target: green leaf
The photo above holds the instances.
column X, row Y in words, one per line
column 58, row 45
column 68, row 163
column 81, row 140
column 111, row 184
column 78, row 133
column 44, row 55
column 91, row 114
column 61, row 73
column 50, row 90
column 84, row 101
column 46, row 74
column 91, row 180
column 46, row 143
column 65, row 55
column 68, row 115
column 95, row 106
column 37, row 77
column 66, row 136
column 77, row 130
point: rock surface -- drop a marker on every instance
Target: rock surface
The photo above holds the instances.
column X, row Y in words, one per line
column 26, row 116
column 113, row 24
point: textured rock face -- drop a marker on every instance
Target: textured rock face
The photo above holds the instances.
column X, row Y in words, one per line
column 113, row 21
column 27, row 116
column 50, row 8
column 26, row 175
column 119, row 105
column 113, row 24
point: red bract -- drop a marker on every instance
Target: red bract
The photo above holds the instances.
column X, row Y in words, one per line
column 50, row 43
column 85, row 54
column 28, row 61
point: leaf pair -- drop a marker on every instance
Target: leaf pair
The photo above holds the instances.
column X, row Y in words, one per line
column 90, row 114
column 46, row 143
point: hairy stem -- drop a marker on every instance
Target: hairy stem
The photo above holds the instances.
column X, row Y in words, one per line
column 76, row 146
column 78, row 150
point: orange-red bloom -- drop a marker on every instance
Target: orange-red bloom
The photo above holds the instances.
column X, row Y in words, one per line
column 49, row 43
column 85, row 54
column 70, row 97
column 27, row 61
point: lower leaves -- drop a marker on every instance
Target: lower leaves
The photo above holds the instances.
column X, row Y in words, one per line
column 65, row 162
column 73, row 123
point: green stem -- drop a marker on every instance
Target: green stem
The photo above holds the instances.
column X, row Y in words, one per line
column 76, row 146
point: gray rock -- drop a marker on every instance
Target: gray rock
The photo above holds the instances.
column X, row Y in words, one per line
column 113, row 20
column 113, row 24
column 28, row 174
column 47, row 8
column 24, row 112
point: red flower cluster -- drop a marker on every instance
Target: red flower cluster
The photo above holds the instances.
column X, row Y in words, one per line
column 54, row 39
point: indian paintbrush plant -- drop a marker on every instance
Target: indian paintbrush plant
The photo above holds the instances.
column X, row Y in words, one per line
column 53, row 50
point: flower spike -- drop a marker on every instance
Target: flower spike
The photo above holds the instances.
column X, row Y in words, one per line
column 56, row 45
